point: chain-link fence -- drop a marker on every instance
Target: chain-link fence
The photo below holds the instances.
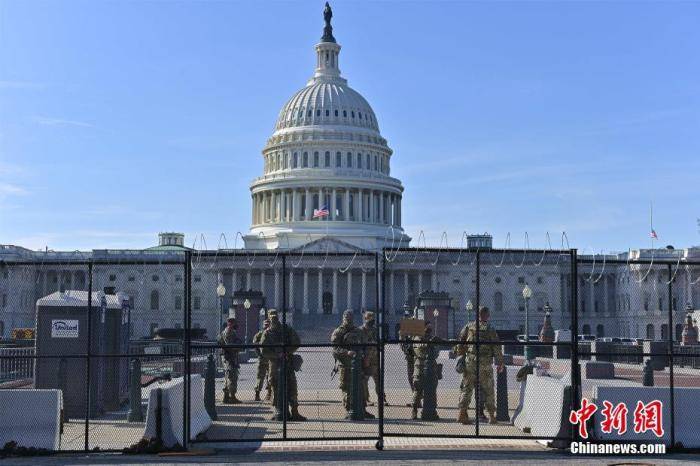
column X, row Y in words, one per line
column 317, row 344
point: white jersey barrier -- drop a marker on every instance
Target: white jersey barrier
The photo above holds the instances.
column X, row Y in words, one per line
column 32, row 418
column 171, row 411
column 545, row 407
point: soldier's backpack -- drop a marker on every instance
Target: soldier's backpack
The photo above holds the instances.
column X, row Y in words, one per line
column 461, row 365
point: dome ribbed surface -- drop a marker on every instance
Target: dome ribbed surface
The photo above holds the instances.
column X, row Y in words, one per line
column 327, row 103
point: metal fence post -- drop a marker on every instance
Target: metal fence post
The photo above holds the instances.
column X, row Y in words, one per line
column 283, row 379
column 575, row 372
column 670, row 355
column 187, row 349
column 477, row 391
column 380, row 352
column 88, row 397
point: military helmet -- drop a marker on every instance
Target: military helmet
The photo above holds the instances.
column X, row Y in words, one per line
column 369, row 316
column 272, row 313
column 348, row 315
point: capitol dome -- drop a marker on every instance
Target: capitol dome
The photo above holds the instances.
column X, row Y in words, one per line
column 326, row 168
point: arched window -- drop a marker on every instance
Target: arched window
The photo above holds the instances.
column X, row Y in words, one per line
column 368, row 165
column 375, row 163
column 345, row 113
column 336, row 113
column 650, row 332
column 349, row 160
column 305, row 160
column 328, row 112
column 359, row 160
column 308, row 114
column 351, row 211
column 295, row 160
column 498, row 301
column 664, row 332
column 359, row 115
column 353, row 113
column 155, row 300
column 328, row 159
column 318, row 112
column 600, row 331
column 316, row 161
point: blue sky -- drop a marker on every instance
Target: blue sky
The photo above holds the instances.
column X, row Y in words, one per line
column 122, row 119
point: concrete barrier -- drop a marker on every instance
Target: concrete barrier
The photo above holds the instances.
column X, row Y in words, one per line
column 32, row 418
column 686, row 401
column 545, row 407
column 171, row 421
column 598, row 370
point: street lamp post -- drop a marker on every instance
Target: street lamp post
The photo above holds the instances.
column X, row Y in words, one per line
column 246, row 306
column 527, row 294
column 221, row 292
column 469, row 307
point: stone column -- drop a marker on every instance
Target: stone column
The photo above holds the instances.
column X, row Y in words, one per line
column 372, row 212
column 307, row 210
column 398, row 223
column 277, row 290
column 405, row 286
column 283, row 202
column 346, row 215
column 349, row 290
column 605, row 295
column 381, row 208
column 433, row 280
column 360, row 206
column 291, row 289
column 420, row 282
column 262, row 282
column 391, row 292
column 295, row 206
column 333, row 206
column 234, row 280
column 320, row 198
column 305, row 309
column 248, row 280
column 363, row 302
column 320, row 292
column 335, row 291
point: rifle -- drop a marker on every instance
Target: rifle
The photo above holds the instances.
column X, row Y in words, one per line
column 335, row 368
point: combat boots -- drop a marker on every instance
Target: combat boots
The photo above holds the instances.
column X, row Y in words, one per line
column 414, row 412
column 268, row 395
column 227, row 398
column 463, row 417
column 295, row 415
column 233, row 400
column 492, row 419
column 257, row 395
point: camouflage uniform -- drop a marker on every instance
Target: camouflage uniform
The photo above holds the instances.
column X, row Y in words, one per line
column 343, row 334
column 263, row 366
column 229, row 358
column 371, row 368
column 424, row 354
column 488, row 354
column 277, row 334
column 407, row 348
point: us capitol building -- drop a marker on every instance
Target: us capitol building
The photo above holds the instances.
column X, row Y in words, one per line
column 327, row 154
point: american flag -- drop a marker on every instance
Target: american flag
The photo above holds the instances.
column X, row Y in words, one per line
column 321, row 212
column 653, row 234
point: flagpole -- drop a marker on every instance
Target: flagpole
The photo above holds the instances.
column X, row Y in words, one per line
column 651, row 222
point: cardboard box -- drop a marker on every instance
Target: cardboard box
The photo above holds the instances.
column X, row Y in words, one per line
column 412, row 327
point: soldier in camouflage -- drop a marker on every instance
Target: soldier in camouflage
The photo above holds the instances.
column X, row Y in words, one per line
column 229, row 357
column 488, row 355
column 263, row 365
column 345, row 335
column 425, row 354
column 372, row 356
column 278, row 334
